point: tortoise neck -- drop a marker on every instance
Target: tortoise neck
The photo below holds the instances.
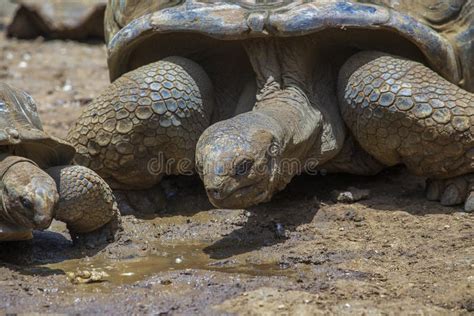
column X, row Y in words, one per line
column 298, row 123
column 298, row 90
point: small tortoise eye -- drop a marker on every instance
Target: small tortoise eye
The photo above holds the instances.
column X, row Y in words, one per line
column 243, row 167
column 26, row 203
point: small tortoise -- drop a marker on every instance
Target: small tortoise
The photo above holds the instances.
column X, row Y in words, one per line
column 37, row 184
column 252, row 93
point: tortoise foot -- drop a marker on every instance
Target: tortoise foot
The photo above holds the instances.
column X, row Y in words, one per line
column 106, row 234
column 452, row 191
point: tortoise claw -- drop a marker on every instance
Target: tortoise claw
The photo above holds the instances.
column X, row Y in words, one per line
column 469, row 204
column 453, row 191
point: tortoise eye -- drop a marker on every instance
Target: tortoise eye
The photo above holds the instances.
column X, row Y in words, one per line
column 26, row 203
column 243, row 167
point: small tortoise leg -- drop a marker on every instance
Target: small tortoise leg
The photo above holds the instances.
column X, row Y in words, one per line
column 86, row 204
column 145, row 125
column 402, row 112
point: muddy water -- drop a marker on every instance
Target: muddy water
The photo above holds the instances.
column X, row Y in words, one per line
column 171, row 257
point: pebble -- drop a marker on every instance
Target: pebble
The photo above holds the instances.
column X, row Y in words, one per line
column 86, row 276
column 67, row 87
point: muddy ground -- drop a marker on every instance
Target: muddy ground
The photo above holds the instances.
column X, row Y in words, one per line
column 300, row 254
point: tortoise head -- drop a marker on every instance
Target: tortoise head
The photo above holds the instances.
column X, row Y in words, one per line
column 29, row 196
column 237, row 160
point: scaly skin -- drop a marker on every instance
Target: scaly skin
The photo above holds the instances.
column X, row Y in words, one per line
column 145, row 124
column 86, row 202
column 402, row 112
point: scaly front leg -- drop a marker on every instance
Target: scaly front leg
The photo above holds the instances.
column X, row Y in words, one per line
column 402, row 112
column 86, row 204
column 144, row 126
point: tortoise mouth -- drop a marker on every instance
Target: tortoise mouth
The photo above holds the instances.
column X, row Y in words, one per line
column 240, row 197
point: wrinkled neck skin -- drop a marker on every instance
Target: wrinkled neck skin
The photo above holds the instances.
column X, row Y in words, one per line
column 297, row 96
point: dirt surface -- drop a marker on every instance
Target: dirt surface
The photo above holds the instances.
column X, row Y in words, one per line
column 300, row 254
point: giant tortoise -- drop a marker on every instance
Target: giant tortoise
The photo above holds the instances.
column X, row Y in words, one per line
column 251, row 93
column 37, row 182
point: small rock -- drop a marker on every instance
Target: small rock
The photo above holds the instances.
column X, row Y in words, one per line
column 67, row 86
column 86, row 276
column 350, row 195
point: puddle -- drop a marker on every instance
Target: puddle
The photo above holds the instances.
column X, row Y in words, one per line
column 170, row 257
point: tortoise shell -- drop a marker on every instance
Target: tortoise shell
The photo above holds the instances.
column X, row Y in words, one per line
column 137, row 31
column 22, row 134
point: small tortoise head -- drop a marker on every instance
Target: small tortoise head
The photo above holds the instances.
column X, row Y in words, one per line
column 236, row 160
column 29, row 196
